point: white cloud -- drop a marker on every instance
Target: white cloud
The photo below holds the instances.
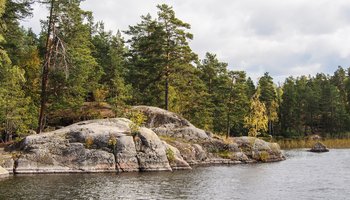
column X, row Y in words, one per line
column 289, row 37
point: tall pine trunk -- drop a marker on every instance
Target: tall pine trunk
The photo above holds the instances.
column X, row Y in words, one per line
column 45, row 75
column 167, row 92
column 167, row 81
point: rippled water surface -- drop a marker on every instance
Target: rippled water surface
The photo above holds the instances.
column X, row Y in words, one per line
column 303, row 175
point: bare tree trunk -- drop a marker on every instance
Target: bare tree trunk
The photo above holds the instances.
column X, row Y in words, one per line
column 167, row 73
column 167, row 92
column 45, row 75
column 228, row 134
column 228, row 125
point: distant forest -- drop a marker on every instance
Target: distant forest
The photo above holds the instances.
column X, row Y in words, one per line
column 74, row 65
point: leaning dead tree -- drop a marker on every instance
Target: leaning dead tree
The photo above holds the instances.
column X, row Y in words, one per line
column 55, row 55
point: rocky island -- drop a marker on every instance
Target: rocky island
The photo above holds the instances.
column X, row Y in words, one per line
column 166, row 142
column 319, row 147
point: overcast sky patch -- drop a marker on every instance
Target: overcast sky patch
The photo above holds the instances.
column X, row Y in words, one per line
column 284, row 38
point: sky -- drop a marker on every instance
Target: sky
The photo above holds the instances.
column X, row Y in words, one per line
column 285, row 38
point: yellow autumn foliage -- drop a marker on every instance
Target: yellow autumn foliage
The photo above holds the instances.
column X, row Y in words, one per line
column 256, row 121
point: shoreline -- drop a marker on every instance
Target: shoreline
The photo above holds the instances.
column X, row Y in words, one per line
column 216, row 162
column 210, row 162
column 308, row 143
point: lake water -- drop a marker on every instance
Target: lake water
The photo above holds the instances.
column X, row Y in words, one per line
column 303, row 175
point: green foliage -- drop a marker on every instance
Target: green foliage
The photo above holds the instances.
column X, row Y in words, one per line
column 228, row 94
column 214, row 75
column 17, row 108
column 2, row 7
column 74, row 73
column 157, row 67
column 264, row 156
column 170, row 155
column 16, row 155
column 100, row 94
column 137, row 119
column 161, row 70
column 268, row 96
column 14, row 11
column 225, row 154
column 14, row 105
column 18, row 52
column 89, row 141
column 238, row 105
column 314, row 105
column 112, row 141
column 110, row 53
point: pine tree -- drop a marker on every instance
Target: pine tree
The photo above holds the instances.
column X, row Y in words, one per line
column 347, row 93
column 251, row 87
column 14, row 106
column 214, row 75
column 339, row 80
column 161, row 59
column 10, row 28
column 161, row 68
column 30, row 62
column 110, row 53
column 177, row 54
column 238, row 103
column 70, row 72
column 145, row 62
column 269, row 98
column 14, row 114
column 333, row 115
column 288, row 116
column 4, row 58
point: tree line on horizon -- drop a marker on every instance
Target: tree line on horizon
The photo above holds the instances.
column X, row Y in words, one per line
column 74, row 61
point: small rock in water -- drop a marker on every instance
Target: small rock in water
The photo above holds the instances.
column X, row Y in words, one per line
column 319, row 147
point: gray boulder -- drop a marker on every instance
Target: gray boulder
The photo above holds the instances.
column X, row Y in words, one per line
column 240, row 156
column 191, row 153
column 319, row 147
column 151, row 152
column 207, row 148
column 3, row 173
column 81, row 147
column 175, row 158
column 259, row 150
column 199, row 153
column 6, row 160
column 126, row 155
column 169, row 124
column 91, row 146
column 217, row 145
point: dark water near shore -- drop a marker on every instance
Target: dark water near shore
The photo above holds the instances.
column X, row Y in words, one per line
column 303, row 175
